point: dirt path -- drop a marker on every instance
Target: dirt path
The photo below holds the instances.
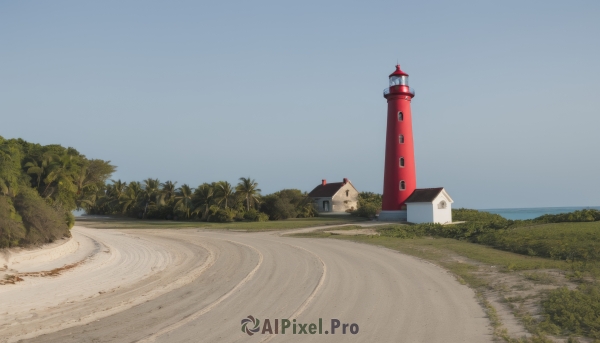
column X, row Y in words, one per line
column 196, row 286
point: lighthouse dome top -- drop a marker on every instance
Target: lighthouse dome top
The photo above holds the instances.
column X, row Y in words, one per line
column 398, row 77
column 398, row 72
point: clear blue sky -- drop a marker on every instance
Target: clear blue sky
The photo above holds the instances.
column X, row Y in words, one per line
column 288, row 93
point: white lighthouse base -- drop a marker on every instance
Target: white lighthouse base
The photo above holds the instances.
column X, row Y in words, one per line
column 392, row 216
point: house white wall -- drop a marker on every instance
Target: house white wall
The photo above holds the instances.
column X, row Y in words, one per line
column 431, row 212
column 343, row 202
column 442, row 215
column 419, row 212
column 321, row 206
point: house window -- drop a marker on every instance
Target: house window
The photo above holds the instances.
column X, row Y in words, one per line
column 347, row 193
column 442, row 204
column 401, row 139
column 400, row 116
column 402, row 185
column 401, row 162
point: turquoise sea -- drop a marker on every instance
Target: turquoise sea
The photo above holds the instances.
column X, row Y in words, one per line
column 533, row 212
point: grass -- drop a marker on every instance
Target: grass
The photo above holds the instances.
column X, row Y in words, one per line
column 579, row 242
column 464, row 260
column 436, row 248
column 295, row 223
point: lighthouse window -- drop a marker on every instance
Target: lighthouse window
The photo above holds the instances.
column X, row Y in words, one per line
column 442, row 204
column 400, row 116
column 401, row 161
column 402, row 185
column 399, row 81
column 401, row 139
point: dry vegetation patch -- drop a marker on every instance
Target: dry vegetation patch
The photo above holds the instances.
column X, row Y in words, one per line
column 13, row 278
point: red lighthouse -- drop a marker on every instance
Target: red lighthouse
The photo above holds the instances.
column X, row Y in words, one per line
column 399, row 179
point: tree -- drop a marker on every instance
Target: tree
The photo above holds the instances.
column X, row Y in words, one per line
column 168, row 192
column 184, row 200
column 369, row 204
column 132, row 196
column 224, row 193
column 287, row 203
column 203, row 199
column 150, row 194
column 38, row 166
column 91, row 178
column 248, row 188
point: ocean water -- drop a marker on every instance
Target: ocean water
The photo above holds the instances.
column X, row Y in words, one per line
column 533, row 212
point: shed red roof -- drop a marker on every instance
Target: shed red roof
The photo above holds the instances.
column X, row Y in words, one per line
column 424, row 194
column 327, row 190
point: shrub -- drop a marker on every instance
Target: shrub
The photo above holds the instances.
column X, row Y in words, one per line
column 369, row 204
column 255, row 216
column 587, row 215
column 69, row 219
column 465, row 214
column 287, row 203
column 42, row 222
column 12, row 230
column 239, row 216
column 223, row 215
column 367, row 210
column 575, row 311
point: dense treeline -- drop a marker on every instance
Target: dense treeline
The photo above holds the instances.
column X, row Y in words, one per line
column 216, row 202
column 39, row 188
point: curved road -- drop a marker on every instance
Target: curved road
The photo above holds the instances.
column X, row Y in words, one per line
column 197, row 286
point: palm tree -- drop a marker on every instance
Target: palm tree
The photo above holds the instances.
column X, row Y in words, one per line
column 248, row 188
column 203, row 197
column 40, row 166
column 150, row 193
column 131, row 197
column 224, row 192
column 167, row 192
column 184, row 199
column 60, row 172
column 115, row 193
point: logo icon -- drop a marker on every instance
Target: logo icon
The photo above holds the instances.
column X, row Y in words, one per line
column 252, row 321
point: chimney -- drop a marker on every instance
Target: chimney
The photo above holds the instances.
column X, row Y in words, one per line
column 345, row 181
column 323, row 182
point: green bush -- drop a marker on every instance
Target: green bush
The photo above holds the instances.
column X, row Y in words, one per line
column 465, row 214
column 42, row 222
column 572, row 242
column 255, row 216
column 587, row 215
column 223, row 215
column 12, row 230
column 575, row 311
column 369, row 204
column 69, row 219
column 367, row 210
column 287, row 203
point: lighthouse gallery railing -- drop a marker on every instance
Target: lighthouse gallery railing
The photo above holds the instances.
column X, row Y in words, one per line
column 387, row 91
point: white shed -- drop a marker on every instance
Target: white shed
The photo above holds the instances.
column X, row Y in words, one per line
column 429, row 205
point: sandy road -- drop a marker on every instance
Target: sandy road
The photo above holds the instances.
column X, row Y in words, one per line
column 196, row 286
